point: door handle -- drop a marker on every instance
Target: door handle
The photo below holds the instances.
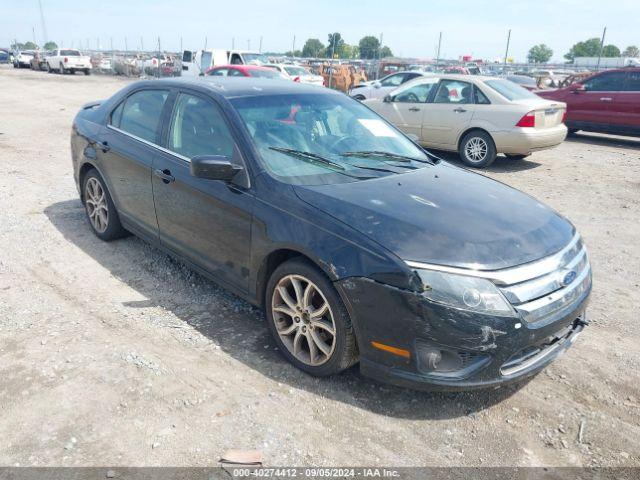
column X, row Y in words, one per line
column 165, row 175
column 459, row 110
column 605, row 99
column 414, row 109
column 104, row 146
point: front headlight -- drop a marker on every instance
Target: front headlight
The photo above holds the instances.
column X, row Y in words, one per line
column 467, row 293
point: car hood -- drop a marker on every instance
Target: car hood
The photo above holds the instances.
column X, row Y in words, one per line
column 447, row 216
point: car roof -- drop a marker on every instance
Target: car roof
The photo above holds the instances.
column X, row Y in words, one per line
column 233, row 87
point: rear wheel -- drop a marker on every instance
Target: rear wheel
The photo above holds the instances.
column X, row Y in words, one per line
column 308, row 320
column 99, row 207
column 87, row 71
column 61, row 69
column 360, row 98
column 572, row 131
column 477, row 149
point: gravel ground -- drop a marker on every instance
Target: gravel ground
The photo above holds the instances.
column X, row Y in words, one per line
column 114, row 354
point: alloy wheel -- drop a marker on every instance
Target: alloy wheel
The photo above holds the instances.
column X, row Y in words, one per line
column 304, row 320
column 96, row 205
column 476, row 149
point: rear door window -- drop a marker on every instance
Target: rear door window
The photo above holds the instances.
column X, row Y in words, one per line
column 393, row 80
column 632, row 83
column 140, row 113
column 454, row 91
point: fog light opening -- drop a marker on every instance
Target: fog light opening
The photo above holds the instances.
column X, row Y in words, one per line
column 436, row 360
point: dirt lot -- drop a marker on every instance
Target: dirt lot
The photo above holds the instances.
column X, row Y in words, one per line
column 114, row 354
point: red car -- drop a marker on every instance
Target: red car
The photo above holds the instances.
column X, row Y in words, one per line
column 244, row 71
column 607, row 102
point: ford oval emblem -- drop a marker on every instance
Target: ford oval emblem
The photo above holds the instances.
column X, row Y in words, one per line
column 568, row 278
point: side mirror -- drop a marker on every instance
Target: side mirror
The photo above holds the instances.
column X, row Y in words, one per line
column 377, row 84
column 387, row 99
column 214, row 167
column 577, row 88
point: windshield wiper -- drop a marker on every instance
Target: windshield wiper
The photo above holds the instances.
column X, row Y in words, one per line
column 315, row 159
column 377, row 153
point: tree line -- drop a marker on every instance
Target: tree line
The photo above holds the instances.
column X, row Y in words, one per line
column 541, row 53
column 19, row 46
column 369, row 47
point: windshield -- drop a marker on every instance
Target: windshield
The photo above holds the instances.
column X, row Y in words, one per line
column 70, row 53
column 255, row 58
column 509, row 90
column 315, row 139
column 296, row 71
column 266, row 73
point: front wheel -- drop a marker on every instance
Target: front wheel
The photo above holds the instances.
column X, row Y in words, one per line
column 477, row 149
column 61, row 70
column 87, row 71
column 99, row 207
column 308, row 320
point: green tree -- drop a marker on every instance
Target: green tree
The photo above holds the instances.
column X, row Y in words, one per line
column 24, row 46
column 588, row 48
column 610, row 51
column 336, row 44
column 294, row 53
column 385, row 52
column 539, row 54
column 313, row 48
column 369, row 47
column 631, row 51
column 50, row 45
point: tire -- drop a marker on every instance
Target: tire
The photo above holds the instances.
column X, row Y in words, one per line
column 339, row 351
column 572, row 131
column 108, row 227
column 516, row 157
column 61, row 70
column 49, row 69
column 477, row 149
column 87, row 71
column 360, row 98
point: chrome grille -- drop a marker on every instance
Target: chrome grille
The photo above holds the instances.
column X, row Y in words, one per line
column 545, row 292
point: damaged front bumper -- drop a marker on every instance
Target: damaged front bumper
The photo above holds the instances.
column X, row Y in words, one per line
column 435, row 347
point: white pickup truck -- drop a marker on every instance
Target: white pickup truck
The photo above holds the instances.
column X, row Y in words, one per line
column 68, row 61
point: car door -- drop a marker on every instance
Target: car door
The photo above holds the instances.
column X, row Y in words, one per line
column 126, row 155
column 447, row 114
column 626, row 103
column 208, row 222
column 405, row 106
column 594, row 105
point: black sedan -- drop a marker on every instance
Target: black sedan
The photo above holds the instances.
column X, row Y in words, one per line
column 360, row 246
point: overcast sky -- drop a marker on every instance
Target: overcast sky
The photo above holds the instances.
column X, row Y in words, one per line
column 410, row 27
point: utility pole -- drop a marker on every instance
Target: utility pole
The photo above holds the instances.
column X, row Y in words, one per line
column 45, row 38
column 126, row 48
column 33, row 31
column 206, row 41
column 439, row 47
column 379, row 57
column 604, row 32
column 141, row 44
column 506, row 53
column 293, row 47
column 181, row 46
column 233, row 43
column 260, row 49
column 248, row 44
column 333, row 52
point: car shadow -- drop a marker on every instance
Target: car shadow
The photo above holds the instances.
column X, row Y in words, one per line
column 601, row 140
column 239, row 329
column 501, row 164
